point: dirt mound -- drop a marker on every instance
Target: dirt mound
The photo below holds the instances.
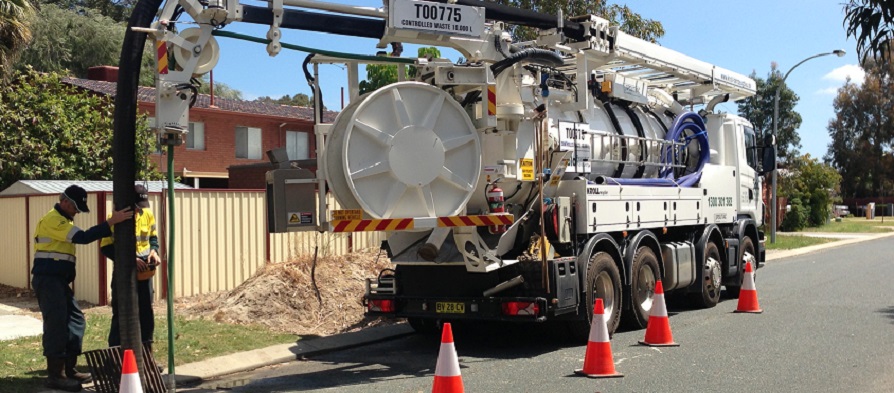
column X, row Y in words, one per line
column 283, row 296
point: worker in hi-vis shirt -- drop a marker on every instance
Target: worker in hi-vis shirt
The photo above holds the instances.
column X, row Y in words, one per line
column 146, row 259
column 52, row 274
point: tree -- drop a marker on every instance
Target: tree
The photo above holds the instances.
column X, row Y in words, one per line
column 862, row 133
column 15, row 32
column 221, row 90
column 758, row 109
column 72, row 41
column 812, row 185
column 56, row 131
column 378, row 75
column 117, row 10
column 871, row 22
column 299, row 99
column 620, row 15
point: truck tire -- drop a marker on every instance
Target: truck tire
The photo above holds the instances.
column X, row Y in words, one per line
column 709, row 295
column 603, row 281
column 644, row 273
column 732, row 291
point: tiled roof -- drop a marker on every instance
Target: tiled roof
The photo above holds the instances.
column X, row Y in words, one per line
column 58, row 186
column 147, row 94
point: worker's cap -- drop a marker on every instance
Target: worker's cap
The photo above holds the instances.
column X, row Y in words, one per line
column 142, row 195
column 78, row 196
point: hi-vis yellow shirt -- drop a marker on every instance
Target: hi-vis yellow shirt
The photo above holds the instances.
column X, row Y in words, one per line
column 144, row 231
column 54, row 243
column 53, row 237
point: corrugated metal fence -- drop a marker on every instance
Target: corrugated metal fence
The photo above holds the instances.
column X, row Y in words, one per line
column 220, row 240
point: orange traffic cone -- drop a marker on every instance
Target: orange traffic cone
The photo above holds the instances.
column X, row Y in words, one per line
column 748, row 293
column 447, row 376
column 658, row 330
column 130, row 378
column 598, row 362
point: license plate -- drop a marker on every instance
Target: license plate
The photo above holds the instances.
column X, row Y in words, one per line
column 450, row 307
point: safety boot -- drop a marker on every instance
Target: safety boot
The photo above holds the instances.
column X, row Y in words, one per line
column 72, row 373
column 56, row 376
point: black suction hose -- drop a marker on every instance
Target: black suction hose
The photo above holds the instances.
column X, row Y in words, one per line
column 534, row 55
column 124, row 172
column 313, row 21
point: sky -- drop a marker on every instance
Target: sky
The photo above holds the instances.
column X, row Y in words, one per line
column 742, row 36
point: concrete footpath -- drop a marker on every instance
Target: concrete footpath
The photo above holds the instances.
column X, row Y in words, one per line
column 13, row 325
column 191, row 374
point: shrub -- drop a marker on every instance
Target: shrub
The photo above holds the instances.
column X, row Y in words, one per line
column 797, row 218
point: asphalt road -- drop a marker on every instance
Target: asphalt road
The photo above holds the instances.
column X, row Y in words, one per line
column 827, row 326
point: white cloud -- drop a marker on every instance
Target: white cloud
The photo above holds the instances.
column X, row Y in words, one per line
column 841, row 74
column 829, row 91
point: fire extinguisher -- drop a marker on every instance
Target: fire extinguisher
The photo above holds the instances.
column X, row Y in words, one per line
column 496, row 205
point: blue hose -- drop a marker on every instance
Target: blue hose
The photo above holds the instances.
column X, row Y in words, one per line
column 692, row 122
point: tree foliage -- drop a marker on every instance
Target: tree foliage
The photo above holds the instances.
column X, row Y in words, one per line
column 15, row 32
column 221, row 89
column 117, row 10
column 871, row 22
column 862, row 133
column 72, row 40
column 814, row 186
column 51, row 131
column 758, row 109
column 620, row 15
column 378, row 75
column 299, row 99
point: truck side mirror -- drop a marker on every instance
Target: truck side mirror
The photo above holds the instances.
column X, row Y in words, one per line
column 768, row 155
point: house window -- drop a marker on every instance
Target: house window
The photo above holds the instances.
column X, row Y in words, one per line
column 248, row 143
column 195, row 139
column 296, row 145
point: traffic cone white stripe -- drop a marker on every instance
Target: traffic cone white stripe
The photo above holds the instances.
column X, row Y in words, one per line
column 598, row 329
column 448, row 362
column 130, row 383
column 748, row 285
column 659, row 308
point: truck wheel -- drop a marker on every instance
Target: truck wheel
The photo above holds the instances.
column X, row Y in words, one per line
column 644, row 274
column 603, row 281
column 710, row 293
column 423, row 325
column 732, row 291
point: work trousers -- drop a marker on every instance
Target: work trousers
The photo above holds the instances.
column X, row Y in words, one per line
column 145, row 293
column 63, row 321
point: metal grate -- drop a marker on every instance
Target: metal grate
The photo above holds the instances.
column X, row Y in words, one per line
column 105, row 364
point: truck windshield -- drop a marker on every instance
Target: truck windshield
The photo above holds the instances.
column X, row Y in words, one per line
column 750, row 147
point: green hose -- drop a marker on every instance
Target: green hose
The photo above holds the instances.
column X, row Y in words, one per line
column 341, row 55
column 170, row 254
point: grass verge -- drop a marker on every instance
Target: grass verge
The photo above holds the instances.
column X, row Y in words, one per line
column 788, row 242
column 856, row 225
column 23, row 367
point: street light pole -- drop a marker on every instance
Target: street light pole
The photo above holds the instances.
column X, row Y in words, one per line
column 837, row 52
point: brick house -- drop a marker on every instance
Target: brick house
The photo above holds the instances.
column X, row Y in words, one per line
column 224, row 134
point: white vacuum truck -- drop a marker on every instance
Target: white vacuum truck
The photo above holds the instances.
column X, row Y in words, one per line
column 527, row 180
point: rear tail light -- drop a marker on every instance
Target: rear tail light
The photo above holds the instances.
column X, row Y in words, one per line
column 521, row 309
column 381, row 305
